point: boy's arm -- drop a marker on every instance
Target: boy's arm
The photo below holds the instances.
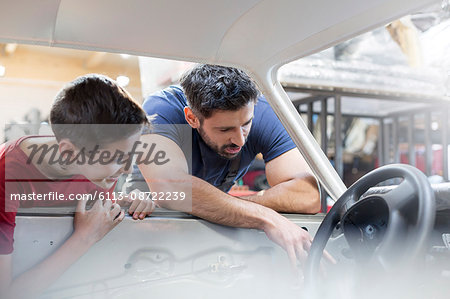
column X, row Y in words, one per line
column 294, row 187
column 38, row 278
column 89, row 227
column 208, row 202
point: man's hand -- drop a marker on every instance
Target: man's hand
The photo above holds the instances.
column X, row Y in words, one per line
column 139, row 206
column 292, row 238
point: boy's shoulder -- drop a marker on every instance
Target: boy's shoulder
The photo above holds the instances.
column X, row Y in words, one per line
column 36, row 143
column 11, row 149
column 19, row 149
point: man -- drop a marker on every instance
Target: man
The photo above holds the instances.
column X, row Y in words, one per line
column 229, row 125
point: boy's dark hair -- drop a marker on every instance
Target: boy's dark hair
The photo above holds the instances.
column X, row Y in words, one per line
column 94, row 109
column 212, row 87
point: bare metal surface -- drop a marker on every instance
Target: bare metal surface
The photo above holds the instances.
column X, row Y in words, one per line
column 163, row 257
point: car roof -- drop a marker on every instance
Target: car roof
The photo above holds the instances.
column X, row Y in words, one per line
column 252, row 34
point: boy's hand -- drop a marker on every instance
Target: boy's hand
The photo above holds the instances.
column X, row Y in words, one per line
column 139, row 206
column 92, row 225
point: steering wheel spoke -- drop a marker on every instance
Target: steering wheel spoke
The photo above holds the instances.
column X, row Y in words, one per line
column 401, row 196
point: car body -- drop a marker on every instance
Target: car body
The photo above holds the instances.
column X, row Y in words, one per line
column 172, row 254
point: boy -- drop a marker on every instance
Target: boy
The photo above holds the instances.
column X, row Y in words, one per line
column 95, row 124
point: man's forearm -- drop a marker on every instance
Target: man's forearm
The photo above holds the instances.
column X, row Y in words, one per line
column 214, row 205
column 293, row 196
column 211, row 204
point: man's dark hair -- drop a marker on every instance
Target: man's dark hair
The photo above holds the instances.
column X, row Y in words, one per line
column 95, row 109
column 213, row 87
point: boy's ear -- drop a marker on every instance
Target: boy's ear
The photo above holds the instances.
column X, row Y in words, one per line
column 191, row 118
column 65, row 147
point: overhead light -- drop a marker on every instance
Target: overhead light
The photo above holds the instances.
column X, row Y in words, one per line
column 10, row 48
column 2, row 70
column 434, row 126
column 125, row 56
column 123, row 81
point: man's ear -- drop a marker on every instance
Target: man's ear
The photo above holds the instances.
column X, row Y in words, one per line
column 191, row 118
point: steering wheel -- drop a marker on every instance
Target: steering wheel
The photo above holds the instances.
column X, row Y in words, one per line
column 376, row 226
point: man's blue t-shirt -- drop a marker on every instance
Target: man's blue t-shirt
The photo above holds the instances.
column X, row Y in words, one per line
column 267, row 136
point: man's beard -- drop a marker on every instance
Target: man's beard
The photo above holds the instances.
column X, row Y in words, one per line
column 220, row 151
